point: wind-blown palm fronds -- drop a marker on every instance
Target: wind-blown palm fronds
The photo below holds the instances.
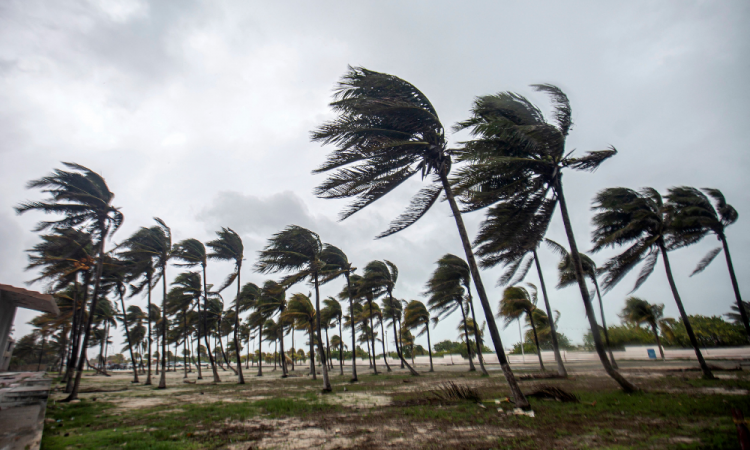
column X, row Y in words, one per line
column 516, row 302
column 516, row 158
column 643, row 222
column 640, row 311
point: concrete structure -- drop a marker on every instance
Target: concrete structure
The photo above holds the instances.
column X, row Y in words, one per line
column 11, row 298
column 23, row 402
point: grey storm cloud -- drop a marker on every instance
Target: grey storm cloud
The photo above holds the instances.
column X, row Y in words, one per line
column 200, row 112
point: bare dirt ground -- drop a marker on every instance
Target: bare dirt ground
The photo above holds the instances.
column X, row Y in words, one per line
column 676, row 410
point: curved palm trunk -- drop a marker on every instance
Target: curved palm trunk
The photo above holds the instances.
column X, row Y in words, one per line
column 399, row 349
column 382, row 342
column 477, row 338
column 78, row 331
column 466, row 334
column 372, row 338
column 429, row 345
column 536, row 340
column 518, row 397
column 41, row 354
column 735, row 286
column 163, row 378
column 553, row 332
column 328, row 351
column 237, row 350
column 260, row 349
column 658, row 341
column 294, row 349
column 688, row 328
column 82, row 359
column 184, row 346
column 224, row 354
column 324, row 363
column 341, row 348
column 205, row 328
column 130, row 344
column 354, row 330
column 198, row 338
column 74, row 336
column 312, row 352
column 611, row 371
column 604, row 324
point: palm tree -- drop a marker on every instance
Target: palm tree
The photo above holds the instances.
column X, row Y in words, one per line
column 114, row 277
column 517, row 158
column 185, row 296
column 386, row 132
column 273, row 301
column 736, row 315
column 332, row 312
column 381, row 277
column 507, row 236
column 567, row 276
column 192, row 253
column 640, row 311
column 301, row 312
column 446, row 289
column 416, row 315
column 694, row 216
column 84, row 199
column 337, row 264
column 643, row 221
column 517, row 301
column 298, row 250
column 228, row 247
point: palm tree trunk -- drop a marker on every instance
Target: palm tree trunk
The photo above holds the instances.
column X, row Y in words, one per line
column 735, row 286
column 553, row 333
column 260, row 349
column 312, row 352
column 79, row 330
column 611, row 371
column 94, row 298
column 328, row 350
column 283, row 357
column 429, row 345
column 536, row 340
column 604, row 324
column 184, row 346
column 477, row 338
column 399, row 349
column 341, row 348
column 74, row 337
column 688, row 328
column 515, row 389
column 354, row 331
column 163, row 378
column 205, row 328
column 324, row 363
column 237, row 351
column 41, row 354
column 372, row 337
column 127, row 336
column 466, row 335
column 382, row 342
column 148, row 319
column 658, row 341
column 198, row 339
column 293, row 349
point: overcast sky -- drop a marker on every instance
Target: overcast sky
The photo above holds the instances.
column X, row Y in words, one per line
column 200, row 112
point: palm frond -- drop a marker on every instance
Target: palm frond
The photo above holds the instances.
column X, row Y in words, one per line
column 706, row 260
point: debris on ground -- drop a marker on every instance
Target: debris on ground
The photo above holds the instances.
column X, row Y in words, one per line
column 540, row 376
column 451, row 391
column 553, row 393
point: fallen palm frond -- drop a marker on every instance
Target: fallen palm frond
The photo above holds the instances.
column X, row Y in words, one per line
column 555, row 393
column 541, row 376
column 451, row 391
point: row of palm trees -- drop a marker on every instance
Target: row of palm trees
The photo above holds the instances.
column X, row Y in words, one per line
column 385, row 132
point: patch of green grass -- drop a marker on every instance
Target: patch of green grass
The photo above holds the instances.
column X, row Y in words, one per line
column 289, row 406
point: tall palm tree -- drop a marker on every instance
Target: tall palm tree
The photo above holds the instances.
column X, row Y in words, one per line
column 736, row 315
column 516, row 157
column 192, row 253
column 694, row 215
column 642, row 221
column 228, row 247
column 381, row 277
column 298, row 250
column 337, row 264
column 415, row 316
column 567, row 276
column 517, row 301
column 185, row 295
column 386, row 132
column 85, row 201
column 640, row 311
column 448, row 288
column 301, row 311
column 332, row 312
column 507, row 236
